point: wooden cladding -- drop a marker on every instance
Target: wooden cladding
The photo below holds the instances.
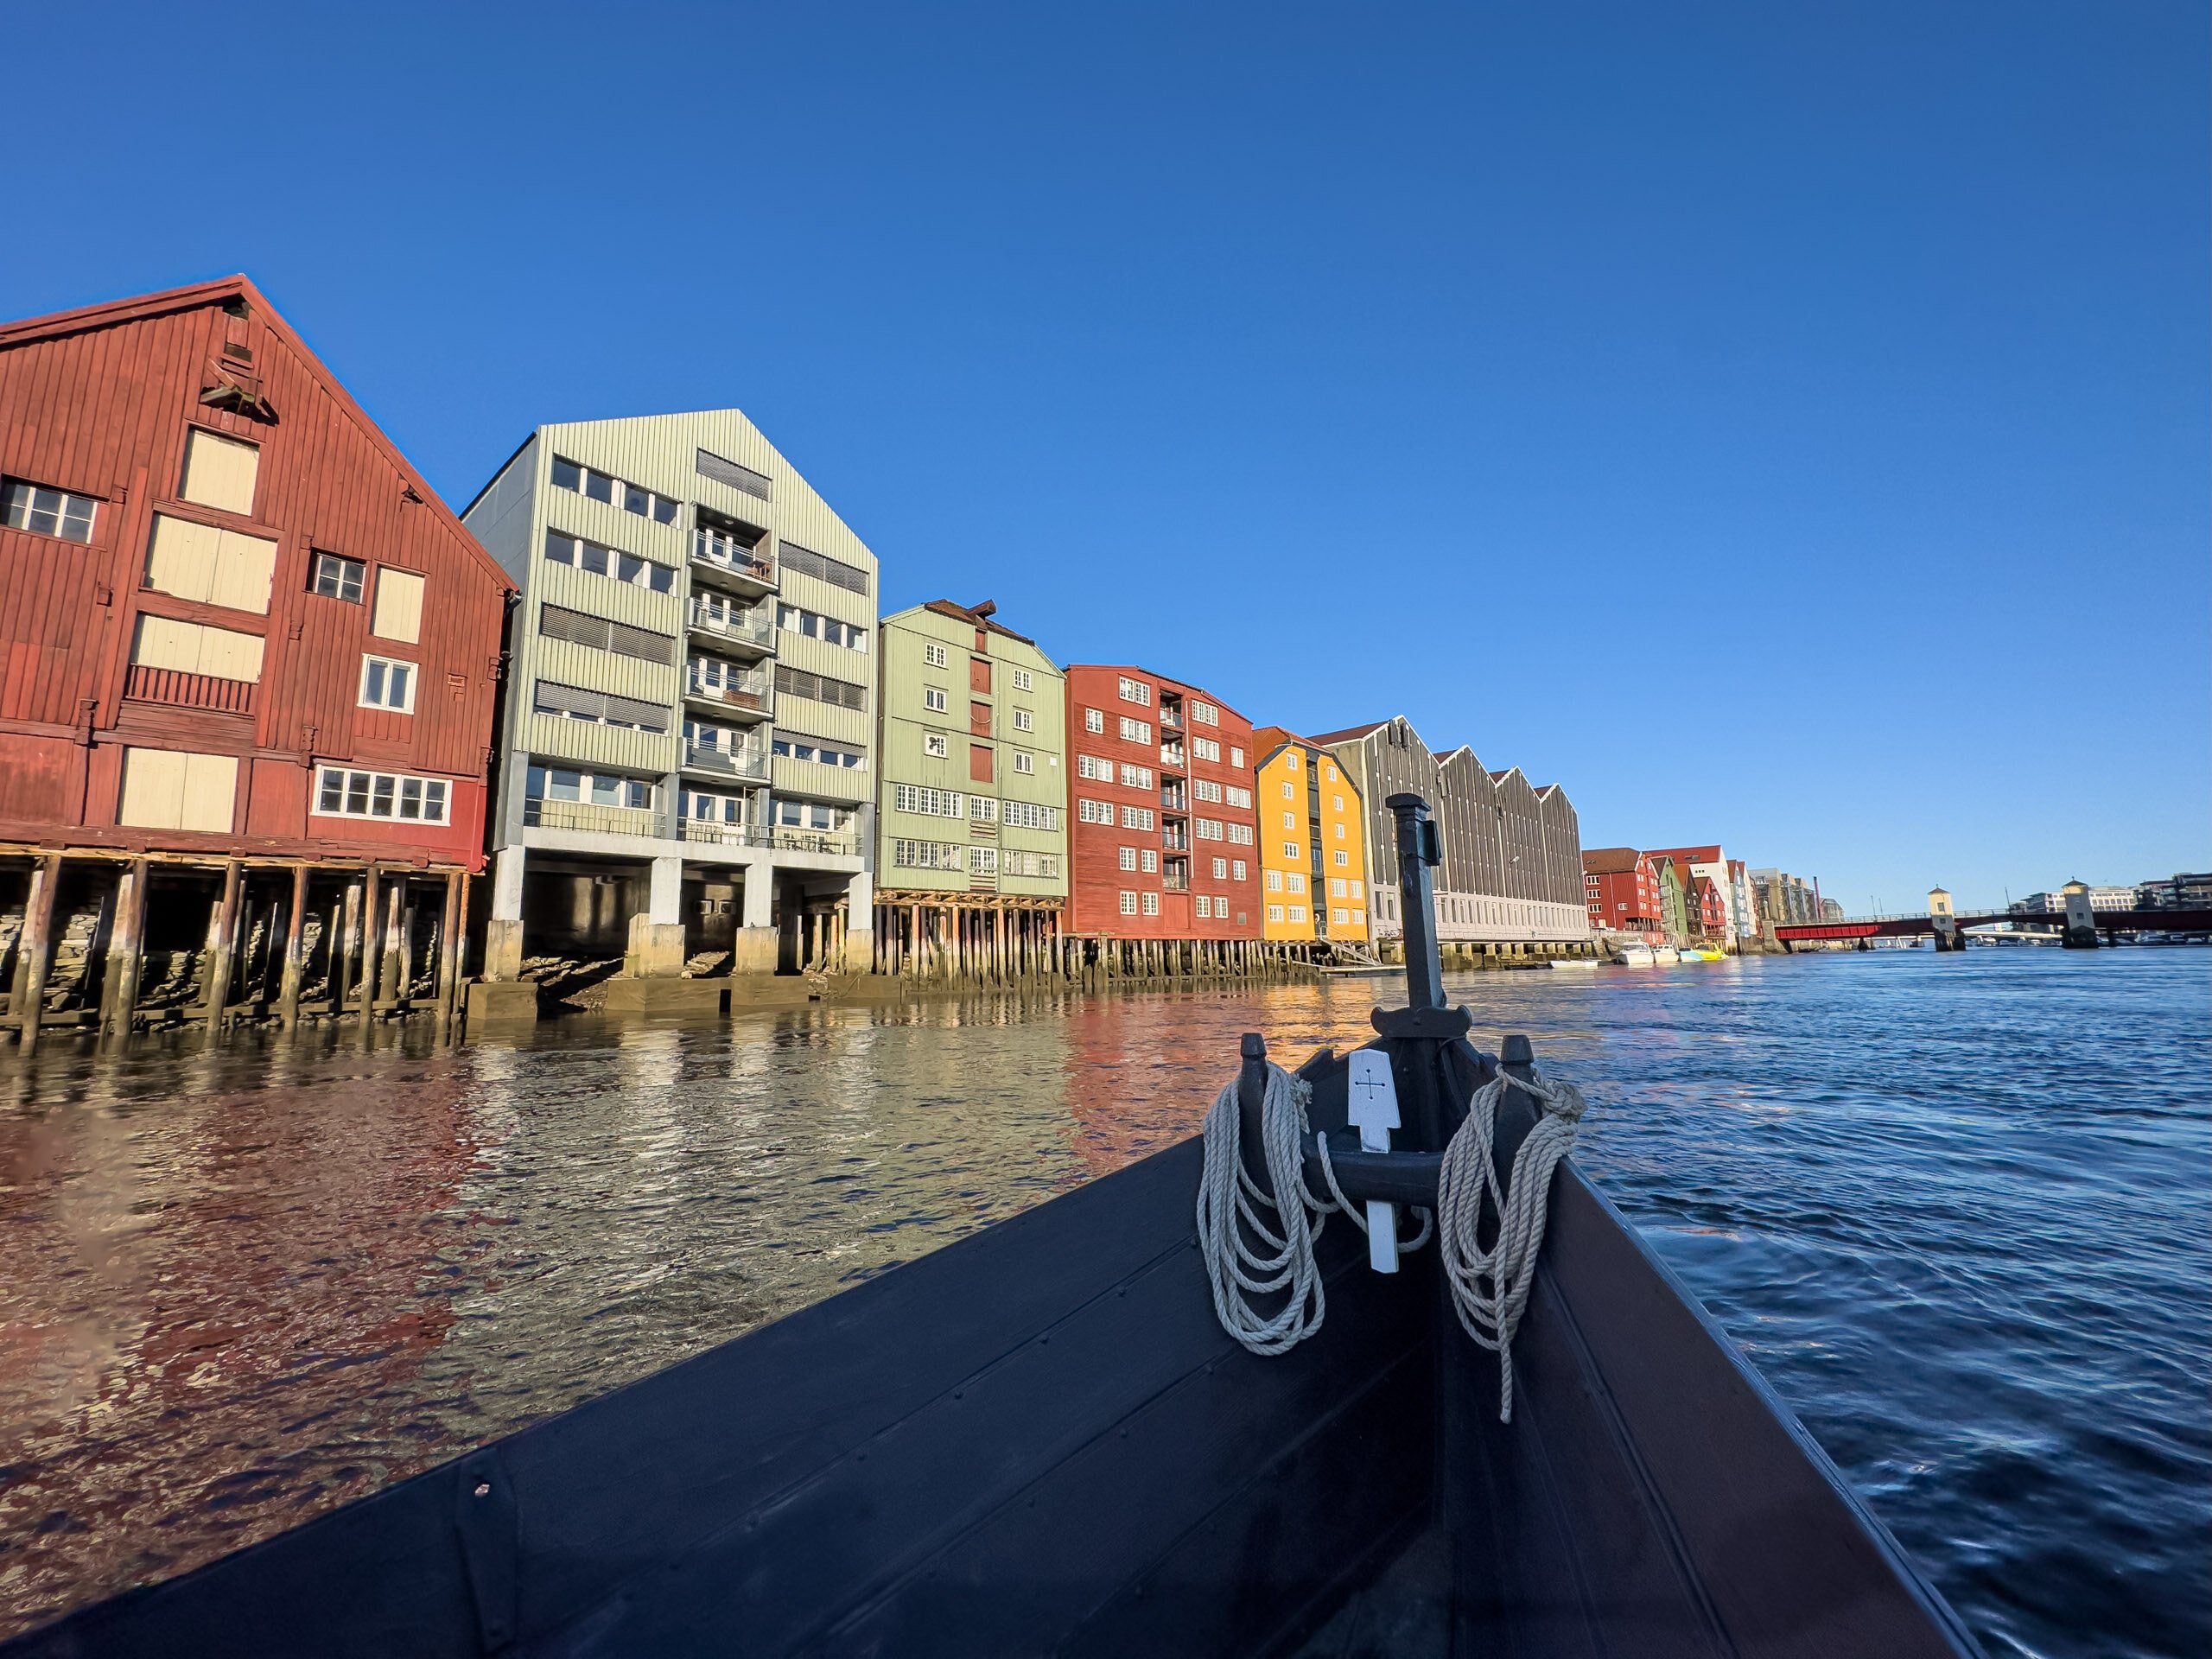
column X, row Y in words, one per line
column 219, row 471
column 189, row 691
column 979, row 675
column 213, row 566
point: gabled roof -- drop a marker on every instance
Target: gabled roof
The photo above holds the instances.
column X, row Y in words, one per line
column 973, row 618
column 1350, row 734
column 1138, row 668
column 137, row 308
column 1609, row 861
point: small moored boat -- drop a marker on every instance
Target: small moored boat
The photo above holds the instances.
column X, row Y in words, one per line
column 1042, row 1439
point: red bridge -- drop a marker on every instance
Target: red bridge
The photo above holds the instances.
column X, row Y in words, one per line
column 1892, row 927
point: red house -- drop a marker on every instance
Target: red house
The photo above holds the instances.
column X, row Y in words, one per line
column 1623, row 890
column 250, row 665
column 1163, row 837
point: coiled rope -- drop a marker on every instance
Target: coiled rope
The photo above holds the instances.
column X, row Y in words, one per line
column 1490, row 1289
column 1491, row 1316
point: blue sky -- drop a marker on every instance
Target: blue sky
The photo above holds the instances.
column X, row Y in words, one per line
column 1785, row 425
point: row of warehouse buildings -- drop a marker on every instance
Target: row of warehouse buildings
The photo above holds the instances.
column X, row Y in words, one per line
column 281, row 733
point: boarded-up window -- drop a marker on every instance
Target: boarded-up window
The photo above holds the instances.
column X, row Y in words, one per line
column 979, row 719
column 165, row 790
column 398, row 614
column 979, row 675
column 219, row 471
column 979, row 763
column 190, row 648
column 215, row 567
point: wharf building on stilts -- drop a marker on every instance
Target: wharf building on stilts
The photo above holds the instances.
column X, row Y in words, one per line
column 1163, row 842
column 247, row 692
column 687, row 779
column 1510, row 886
column 971, row 860
column 1312, row 825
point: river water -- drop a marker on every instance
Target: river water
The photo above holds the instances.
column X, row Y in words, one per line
column 1956, row 1208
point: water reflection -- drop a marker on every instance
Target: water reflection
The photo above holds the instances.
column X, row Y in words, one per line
column 241, row 1283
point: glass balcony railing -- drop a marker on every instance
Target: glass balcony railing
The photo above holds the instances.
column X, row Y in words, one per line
column 742, row 765
column 749, row 695
column 732, row 558
column 1170, row 754
column 739, row 627
column 587, row 815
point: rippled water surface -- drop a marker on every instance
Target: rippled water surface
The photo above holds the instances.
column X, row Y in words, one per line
column 1956, row 1209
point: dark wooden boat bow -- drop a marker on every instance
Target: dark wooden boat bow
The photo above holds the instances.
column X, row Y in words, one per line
column 1039, row 1439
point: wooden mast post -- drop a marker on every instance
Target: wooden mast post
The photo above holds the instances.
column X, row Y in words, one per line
column 288, row 993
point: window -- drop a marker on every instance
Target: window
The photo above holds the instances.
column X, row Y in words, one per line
column 1128, row 904
column 793, row 619
column 1275, row 912
column 1136, row 691
column 1151, row 904
column 1024, row 761
column 600, row 789
column 1275, row 880
column 1329, row 775
column 1343, row 859
column 708, row 464
column 1289, row 821
column 192, row 648
column 934, row 746
column 983, row 809
column 1339, row 803
column 398, row 612
column 1028, row 814
column 1136, row 817
column 1136, row 777
column 1294, row 882
column 599, row 561
column 580, row 627
column 793, row 748
column 1240, row 833
column 51, row 512
column 1286, row 794
column 928, row 854
column 693, row 806
column 1129, row 858
column 1024, row 720
column 820, row 687
column 812, row 815
column 823, row 568
column 1206, row 828
column 388, row 684
column 335, row 576
column 933, row 655
column 1298, row 912
column 568, row 475
column 218, row 471
column 1290, row 849
column 934, row 699
column 1135, row 731
column 1239, row 797
column 1206, row 714
column 603, row 707
column 1205, row 749
column 1336, row 886
column 930, row 803
column 1094, row 719
column 1236, row 870
column 341, row 793
column 1012, row 862
column 979, row 770
column 1358, row 918
column 1204, row 906
column 1340, row 832
column 1148, row 860
column 1236, row 757
column 1093, row 812
column 1205, row 789
column 1023, row 681
column 1090, row 765
column 1221, row 869
column 215, row 567
column 984, row 861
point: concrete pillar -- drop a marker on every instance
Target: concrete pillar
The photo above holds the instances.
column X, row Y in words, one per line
column 2080, row 924
column 755, row 949
column 32, row 949
column 295, row 915
column 126, row 952
column 656, row 932
column 222, row 946
column 503, row 933
column 860, row 923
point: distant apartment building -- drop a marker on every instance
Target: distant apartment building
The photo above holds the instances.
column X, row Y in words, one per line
column 971, row 860
column 1678, row 924
column 1313, row 828
column 1163, row 843
column 248, row 667
column 1730, row 880
column 687, row 779
column 1831, row 910
column 1780, row 899
column 2179, row 892
column 1623, row 894
column 1512, row 870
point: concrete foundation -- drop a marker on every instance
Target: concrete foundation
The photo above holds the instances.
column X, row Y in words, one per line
column 501, row 1002
column 668, row 996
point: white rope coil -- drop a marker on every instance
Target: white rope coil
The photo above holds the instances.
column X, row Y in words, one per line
column 1490, row 1289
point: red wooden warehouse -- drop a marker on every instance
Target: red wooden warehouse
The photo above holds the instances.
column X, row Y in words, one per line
column 1162, row 838
column 249, row 664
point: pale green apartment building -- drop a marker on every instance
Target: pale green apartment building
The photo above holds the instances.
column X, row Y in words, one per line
column 971, row 867
column 686, row 773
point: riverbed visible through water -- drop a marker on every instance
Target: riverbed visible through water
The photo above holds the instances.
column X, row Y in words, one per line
column 1957, row 1209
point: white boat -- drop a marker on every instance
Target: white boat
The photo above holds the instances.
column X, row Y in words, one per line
column 1640, row 954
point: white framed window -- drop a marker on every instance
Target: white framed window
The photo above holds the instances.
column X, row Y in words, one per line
column 983, row 809
column 1205, row 749
column 596, row 560
column 387, row 683
column 1236, row 757
column 1237, row 869
column 1343, row 859
column 1298, row 912
column 1294, row 882
column 1356, row 886
column 1134, row 777
column 1136, row 691
column 1206, row 828
column 1241, row 834
column 1024, row 720
column 1128, row 904
column 928, row 854
column 1129, row 858
column 1029, row 815
column 1023, row 681
column 1239, row 797
column 1340, row 832
column 1149, row 859
column 336, row 577
column 1136, row 817
column 1329, row 776
column 813, row 625
column 1090, row 766
column 933, row 699
column 42, row 512
column 1135, row 731
column 1338, row 803
column 1290, row 849
column 930, row 803
column 933, row 655
column 1094, row 719
column 568, row 475
column 1024, row 761
column 341, row 793
column 1336, row 886
column 1205, row 789
column 1206, row 714
column 1221, row 869
column 1339, row 915
column 1291, row 761
column 934, row 745
column 982, row 861
column 1275, row 912
column 1275, row 880
column 1151, row 904
column 1289, row 821
column 1093, row 812
column 1358, row 918
column 1286, row 794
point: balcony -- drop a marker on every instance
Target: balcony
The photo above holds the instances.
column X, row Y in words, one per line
column 750, row 698
column 725, row 559
column 584, row 814
column 745, row 631
column 1176, row 838
column 726, row 834
column 739, row 765
column 1170, row 754
column 839, row 842
column 144, row 684
column 1174, row 800
column 1171, row 718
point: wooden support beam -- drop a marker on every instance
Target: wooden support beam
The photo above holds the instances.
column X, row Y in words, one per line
column 126, row 951
column 371, row 928
column 345, row 940
column 391, row 984
column 295, row 916
column 449, row 927
column 222, row 947
column 33, row 952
